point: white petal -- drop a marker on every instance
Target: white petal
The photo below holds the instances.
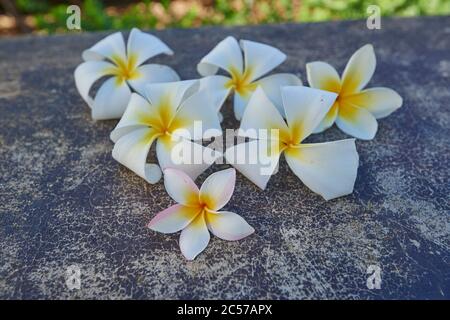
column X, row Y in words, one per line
column 272, row 87
column 329, row 118
column 260, row 58
column 216, row 83
column 170, row 94
column 111, row 100
column 261, row 114
column 305, row 108
column 152, row 73
column 185, row 155
column 180, row 187
column 381, row 102
column 356, row 121
column 359, row 70
column 85, row 76
column 218, row 188
column 323, row 76
column 256, row 160
column 197, row 116
column 132, row 149
column 328, row 169
column 226, row 55
column 194, row 238
column 228, row 225
column 135, row 116
column 145, row 46
column 239, row 104
column 109, row 47
column 173, row 219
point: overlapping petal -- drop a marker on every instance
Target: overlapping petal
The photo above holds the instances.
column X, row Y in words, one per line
column 260, row 58
column 225, row 55
column 174, row 218
column 356, row 121
column 380, row 102
column 328, row 169
column 218, row 188
column 228, row 225
column 111, row 100
column 194, row 238
column 152, row 73
column 107, row 48
column 132, row 149
column 180, row 187
column 323, row 76
column 145, row 46
column 305, row 108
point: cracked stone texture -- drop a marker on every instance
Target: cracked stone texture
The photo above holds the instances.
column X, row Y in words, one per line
column 65, row 201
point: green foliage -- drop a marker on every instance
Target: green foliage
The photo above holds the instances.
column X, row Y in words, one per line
column 52, row 18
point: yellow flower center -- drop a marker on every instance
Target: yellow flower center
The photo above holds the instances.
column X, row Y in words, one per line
column 124, row 69
column 240, row 82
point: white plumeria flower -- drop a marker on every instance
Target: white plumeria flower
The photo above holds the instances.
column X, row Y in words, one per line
column 355, row 110
column 125, row 69
column 197, row 211
column 328, row 169
column 246, row 72
column 168, row 114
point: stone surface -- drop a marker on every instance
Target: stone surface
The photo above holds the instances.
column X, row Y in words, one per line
column 65, row 201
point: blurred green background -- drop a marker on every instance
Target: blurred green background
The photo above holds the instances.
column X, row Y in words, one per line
column 47, row 16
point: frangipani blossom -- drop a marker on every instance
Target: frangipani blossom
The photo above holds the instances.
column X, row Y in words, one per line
column 328, row 169
column 244, row 72
column 197, row 211
column 167, row 115
column 124, row 66
column 355, row 110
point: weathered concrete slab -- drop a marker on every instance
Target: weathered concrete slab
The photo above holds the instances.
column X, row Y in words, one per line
column 65, row 201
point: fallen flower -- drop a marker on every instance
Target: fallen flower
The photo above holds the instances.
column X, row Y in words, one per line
column 245, row 72
column 168, row 115
column 355, row 110
column 197, row 211
column 328, row 169
column 125, row 69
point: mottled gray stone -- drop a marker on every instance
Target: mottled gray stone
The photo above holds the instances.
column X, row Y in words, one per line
column 65, row 201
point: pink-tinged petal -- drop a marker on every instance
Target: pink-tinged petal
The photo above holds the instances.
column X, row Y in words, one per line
column 145, row 46
column 228, row 225
column 359, row 70
column 173, row 219
column 305, row 108
column 260, row 58
column 226, row 55
column 356, row 121
column 218, row 188
column 194, row 238
column 113, row 46
column 180, row 187
column 328, row 169
column 256, row 160
column 381, row 102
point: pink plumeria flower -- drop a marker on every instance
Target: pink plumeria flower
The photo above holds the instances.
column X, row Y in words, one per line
column 125, row 68
column 328, row 169
column 245, row 72
column 355, row 110
column 197, row 211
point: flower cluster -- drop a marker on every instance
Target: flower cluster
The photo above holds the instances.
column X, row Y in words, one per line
column 276, row 113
